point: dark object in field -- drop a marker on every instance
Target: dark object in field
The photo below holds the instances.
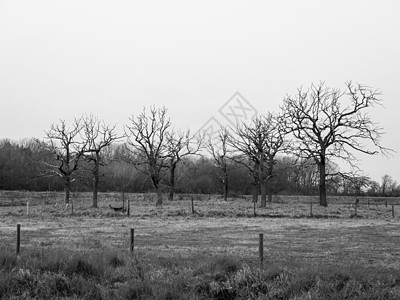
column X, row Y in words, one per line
column 117, row 208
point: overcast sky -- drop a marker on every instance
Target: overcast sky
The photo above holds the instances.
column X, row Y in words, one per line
column 61, row 59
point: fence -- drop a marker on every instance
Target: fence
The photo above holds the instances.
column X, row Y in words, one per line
column 142, row 205
column 132, row 244
column 17, row 198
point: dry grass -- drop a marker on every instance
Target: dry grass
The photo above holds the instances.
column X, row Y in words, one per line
column 292, row 237
column 209, row 254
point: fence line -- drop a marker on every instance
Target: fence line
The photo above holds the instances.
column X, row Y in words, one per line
column 11, row 198
column 132, row 245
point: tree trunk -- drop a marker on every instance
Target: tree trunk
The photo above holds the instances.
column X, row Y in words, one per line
column 171, row 182
column 263, row 194
column 255, row 193
column 95, row 189
column 67, row 189
column 322, row 184
column 159, row 201
column 269, row 180
column 261, row 181
column 96, row 175
column 156, row 183
column 269, row 192
column 225, row 186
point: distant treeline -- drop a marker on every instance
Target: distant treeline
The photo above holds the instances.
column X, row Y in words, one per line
column 24, row 166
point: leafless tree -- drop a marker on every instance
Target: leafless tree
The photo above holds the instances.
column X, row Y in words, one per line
column 352, row 184
column 148, row 144
column 274, row 142
column 220, row 152
column 179, row 145
column 98, row 137
column 258, row 144
column 67, row 148
column 325, row 126
column 246, row 142
column 389, row 186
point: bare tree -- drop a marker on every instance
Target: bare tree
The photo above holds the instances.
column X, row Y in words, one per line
column 353, row 184
column 98, row 137
column 220, row 152
column 247, row 144
column 179, row 145
column 326, row 127
column 373, row 188
column 258, row 144
column 67, row 149
column 148, row 144
column 274, row 142
column 389, row 185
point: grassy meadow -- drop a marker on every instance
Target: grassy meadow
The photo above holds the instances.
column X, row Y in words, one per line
column 208, row 253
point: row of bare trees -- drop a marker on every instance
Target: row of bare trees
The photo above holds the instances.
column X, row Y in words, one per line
column 255, row 146
column 317, row 127
column 152, row 146
column 198, row 174
column 321, row 125
column 86, row 139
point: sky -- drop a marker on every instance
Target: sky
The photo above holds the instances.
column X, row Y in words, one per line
column 62, row 59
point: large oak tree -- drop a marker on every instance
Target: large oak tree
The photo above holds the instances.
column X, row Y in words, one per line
column 148, row 144
column 98, row 136
column 257, row 145
column 64, row 143
column 330, row 124
column 220, row 153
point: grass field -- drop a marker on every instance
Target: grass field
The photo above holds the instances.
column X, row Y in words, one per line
column 172, row 235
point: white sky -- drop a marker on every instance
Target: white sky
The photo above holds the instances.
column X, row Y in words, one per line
column 60, row 59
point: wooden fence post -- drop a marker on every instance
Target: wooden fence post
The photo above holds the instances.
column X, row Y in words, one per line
column 261, row 250
column 311, row 213
column 27, row 208
column 132, row 245
column 191, row 197
column 18, row 238
column 392, row 211
column 129, row 207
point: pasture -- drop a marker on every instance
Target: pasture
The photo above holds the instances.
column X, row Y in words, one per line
column 294, row 239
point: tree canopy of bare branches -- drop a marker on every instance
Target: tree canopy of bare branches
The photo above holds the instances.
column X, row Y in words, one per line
column 148, row 144
column 328, row 123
